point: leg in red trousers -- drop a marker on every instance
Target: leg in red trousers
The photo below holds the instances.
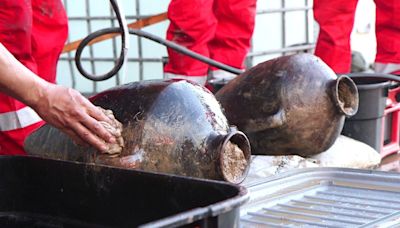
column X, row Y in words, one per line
column 192, row 24
column 220, row 29
column 387, row 36
column 235, row 28
column 335, row 19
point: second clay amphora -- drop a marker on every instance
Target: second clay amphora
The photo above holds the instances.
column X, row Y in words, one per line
column 289, row 105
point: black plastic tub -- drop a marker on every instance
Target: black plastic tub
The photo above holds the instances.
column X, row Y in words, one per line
column 366, row 124
column 217, row 84
column 38, row 192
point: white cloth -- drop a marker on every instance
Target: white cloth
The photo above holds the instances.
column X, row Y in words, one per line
column 344, row 153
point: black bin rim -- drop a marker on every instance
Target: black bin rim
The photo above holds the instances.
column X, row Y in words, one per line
column 370, row 81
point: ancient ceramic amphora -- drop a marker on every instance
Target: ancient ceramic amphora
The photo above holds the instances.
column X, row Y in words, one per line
column 169, row 126
column 289, row 105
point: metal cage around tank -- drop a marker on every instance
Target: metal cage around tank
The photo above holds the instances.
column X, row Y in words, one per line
column 84, row 19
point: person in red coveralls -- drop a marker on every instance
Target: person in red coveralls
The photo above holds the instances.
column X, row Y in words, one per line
column 32, row 35
column 336, row 18
column 219, row 29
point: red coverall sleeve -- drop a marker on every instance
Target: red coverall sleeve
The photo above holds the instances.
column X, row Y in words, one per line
column 49, row 33
column 34, row 31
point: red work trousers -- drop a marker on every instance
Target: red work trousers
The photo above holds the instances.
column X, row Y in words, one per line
column 34, row 31
column 336, row 19
column 219, row 29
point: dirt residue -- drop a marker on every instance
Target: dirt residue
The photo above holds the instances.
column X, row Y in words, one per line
column 234, row 163
column 346, row 98
column 115, row 128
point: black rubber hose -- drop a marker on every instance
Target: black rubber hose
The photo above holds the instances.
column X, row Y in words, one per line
column 152, row 37
column 123, row 29
column 184, row 50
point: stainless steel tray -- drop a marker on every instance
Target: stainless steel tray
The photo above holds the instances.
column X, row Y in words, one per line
column 324, row 197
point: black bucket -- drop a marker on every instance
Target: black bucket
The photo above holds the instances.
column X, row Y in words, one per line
column 366, row 124
column 217, row 84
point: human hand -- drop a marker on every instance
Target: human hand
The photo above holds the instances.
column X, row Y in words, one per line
column 66, row 109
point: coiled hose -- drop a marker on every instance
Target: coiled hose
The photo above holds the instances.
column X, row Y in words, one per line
column 125, row 31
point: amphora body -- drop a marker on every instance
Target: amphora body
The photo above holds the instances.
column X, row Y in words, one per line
column 170, row 126
column 289, row 105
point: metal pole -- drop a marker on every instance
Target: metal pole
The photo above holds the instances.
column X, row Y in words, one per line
column 140, row 48
column 283, row 19
column 70, row 62
column 283, row 50
column 114, row 45
column 307, row 21
column 89, row 30
column 292, row 9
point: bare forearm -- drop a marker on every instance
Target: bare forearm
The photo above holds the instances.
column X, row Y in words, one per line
column 18, row 81
column 63, row 107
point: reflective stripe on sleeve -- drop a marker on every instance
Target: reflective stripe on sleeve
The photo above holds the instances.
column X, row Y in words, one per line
column 18, row 119
column 387, row 68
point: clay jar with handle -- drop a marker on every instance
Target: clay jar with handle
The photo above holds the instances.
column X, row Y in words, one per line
column 169, row 126
column 289, row 105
